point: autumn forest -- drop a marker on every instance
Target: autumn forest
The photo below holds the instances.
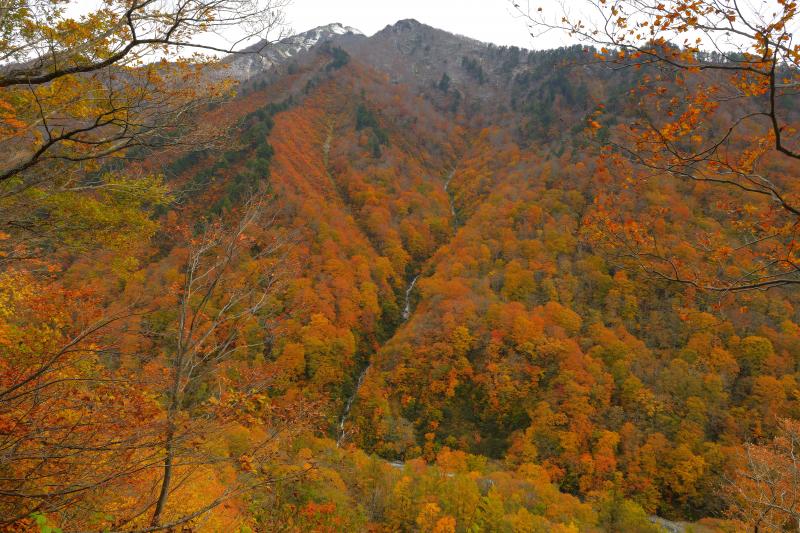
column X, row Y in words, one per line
column 408, row 282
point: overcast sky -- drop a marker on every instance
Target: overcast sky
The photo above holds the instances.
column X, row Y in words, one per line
column 486, row 20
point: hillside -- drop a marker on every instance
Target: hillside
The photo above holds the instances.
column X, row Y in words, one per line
column 451, row 340
column 463, row 168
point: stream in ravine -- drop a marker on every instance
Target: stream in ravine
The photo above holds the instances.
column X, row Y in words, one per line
column 450, row 196
column 406, row 315
column 671, row 527
column 407, row 306
column 349, row 405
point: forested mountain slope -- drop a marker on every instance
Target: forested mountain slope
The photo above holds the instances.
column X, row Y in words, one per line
column 477, row 353
column 526, row 341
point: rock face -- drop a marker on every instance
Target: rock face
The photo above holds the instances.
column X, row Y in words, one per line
column 263, row 56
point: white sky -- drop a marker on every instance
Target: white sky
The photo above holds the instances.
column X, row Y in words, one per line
column 486, row 20
column 493, row 21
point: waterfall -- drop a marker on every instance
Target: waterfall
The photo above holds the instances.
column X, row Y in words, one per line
column 349, row 405
column 406, row 315
column 407, row 306
column 450, row 196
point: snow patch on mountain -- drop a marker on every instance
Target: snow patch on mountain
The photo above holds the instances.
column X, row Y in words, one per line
column 262, row 56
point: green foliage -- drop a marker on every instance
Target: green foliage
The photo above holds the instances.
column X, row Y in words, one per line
column 752, row 353
column 365, row 118
column 340, row 58
column 620, row 515
column 474, row 69
column 43, row 524
column 251, row 159
column 444, row 83
column 113, row 212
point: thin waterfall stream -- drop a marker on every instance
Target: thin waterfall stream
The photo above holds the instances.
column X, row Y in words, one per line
column 407, row 307
column 349, row 405
column 406, row 315
column 450, row 196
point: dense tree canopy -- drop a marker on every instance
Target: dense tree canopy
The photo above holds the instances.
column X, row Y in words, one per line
column 408, row 282
column 717, row 107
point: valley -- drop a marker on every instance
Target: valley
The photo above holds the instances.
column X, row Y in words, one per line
column 405, row 282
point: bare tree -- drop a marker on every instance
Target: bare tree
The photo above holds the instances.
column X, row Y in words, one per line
column 765, row 490
column 76, row 91
column 217, row 300
column 77, row 433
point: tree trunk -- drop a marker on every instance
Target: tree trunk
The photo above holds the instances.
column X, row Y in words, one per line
column 165, row 482
column 169, row 440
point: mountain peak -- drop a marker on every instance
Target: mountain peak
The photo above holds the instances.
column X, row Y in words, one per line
column 311, row 37
column 404, row 25
column 338, row 28
column 263, row 57
column 407, row 23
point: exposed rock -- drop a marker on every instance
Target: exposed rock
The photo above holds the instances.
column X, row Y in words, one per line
column 263, row 56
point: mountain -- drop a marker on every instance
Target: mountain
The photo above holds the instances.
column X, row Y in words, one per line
column 262, row 56
column 460, row 320
column 450, row 294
